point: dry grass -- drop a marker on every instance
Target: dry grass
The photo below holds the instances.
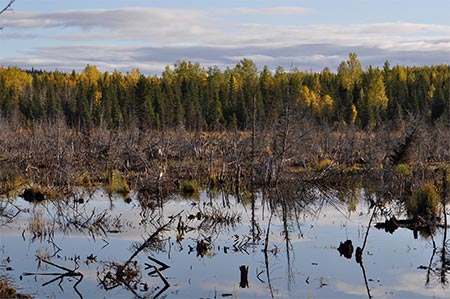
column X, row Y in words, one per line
column 53, row 154
column 8, row 291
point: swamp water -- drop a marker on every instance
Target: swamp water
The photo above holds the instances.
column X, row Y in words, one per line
column 80, row 246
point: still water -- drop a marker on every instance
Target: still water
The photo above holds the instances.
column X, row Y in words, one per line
column 64, row 249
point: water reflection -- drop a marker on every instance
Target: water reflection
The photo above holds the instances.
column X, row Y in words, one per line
column 279, row 245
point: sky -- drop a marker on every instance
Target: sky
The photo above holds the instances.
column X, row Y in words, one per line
column 149, row 35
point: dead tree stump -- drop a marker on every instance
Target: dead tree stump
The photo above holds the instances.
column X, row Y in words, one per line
column 244, row 276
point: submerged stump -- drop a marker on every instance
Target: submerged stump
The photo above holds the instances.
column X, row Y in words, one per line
column 244, row 276
column 33, row 195
column 346, row 249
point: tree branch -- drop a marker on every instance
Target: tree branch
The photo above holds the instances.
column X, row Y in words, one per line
column 8, row 6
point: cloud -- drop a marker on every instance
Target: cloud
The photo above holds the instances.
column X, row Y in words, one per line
column 273, row 11
column 404, row 285
column 153, row 59
column 151, row 38
column 125, row 23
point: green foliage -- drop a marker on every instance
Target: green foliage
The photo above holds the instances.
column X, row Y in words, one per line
column 323, row 164
column 246, row 197
column 403, row 169
column 84, row 180
column 189, row 189
column 116, row 184
column 213, row 183
column 353, row 169
column 424, row 202
column 189, row 96
column 350, row 72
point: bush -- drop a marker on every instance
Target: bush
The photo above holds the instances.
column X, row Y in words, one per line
column 323, row 164
column 7, row 290
column 189, row 188
column 403, row 169
column 84, row 180
column 12, row 185
column 424, row 202
column 116, row 184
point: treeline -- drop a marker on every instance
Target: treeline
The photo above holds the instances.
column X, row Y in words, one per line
column 197, row 98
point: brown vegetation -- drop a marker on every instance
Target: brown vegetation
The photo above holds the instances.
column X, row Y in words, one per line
column 8, row 291
column 157, row 164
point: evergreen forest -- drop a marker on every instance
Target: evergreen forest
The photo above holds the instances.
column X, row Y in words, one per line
column 192, row 97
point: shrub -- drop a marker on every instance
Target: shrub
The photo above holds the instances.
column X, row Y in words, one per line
column 7, row 290
column 403, row 169
column 84, row 180
column 189, row 188
column 116, row 184
column 424, row 202
column 12, row 185
column 323, row 164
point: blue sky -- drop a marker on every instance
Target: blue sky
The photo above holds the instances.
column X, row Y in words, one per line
column 308, row 34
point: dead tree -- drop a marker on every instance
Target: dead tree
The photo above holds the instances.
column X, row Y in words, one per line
column 400, row 151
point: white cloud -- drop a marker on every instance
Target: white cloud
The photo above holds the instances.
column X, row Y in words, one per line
column 150, row 38
column 359, row 290
column 126, row 23
column 271, row 11
column 406, row 284
column 401, row 28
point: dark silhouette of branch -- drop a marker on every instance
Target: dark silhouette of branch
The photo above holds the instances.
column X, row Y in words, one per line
column 365, row 280
column 60, row 276
column 359, row 253
column 266, row 256
column 7, row 7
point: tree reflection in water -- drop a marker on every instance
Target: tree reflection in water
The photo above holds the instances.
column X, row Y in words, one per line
column 275, row 213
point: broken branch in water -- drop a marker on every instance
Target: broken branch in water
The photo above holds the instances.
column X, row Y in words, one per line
column 164, row 280
column 59, row 276
column 151, row 239
column 162, row 268
column 129, row 274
